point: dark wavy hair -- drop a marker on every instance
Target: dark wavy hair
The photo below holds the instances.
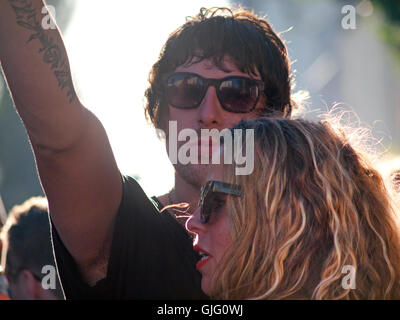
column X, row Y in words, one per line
column 213, row 34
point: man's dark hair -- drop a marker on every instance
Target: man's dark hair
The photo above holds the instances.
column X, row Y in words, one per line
column 26, row 236
column 214, row 33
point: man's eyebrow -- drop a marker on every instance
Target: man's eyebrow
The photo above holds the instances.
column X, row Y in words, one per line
column 210, row 65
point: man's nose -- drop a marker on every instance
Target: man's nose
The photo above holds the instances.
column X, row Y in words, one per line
column 210, row 109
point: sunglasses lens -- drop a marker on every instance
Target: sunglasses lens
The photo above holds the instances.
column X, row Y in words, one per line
column 211, row 205
column 184, row 90
column 238, row 94
column 205, row 211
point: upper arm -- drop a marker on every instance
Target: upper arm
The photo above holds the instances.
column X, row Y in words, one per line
column 84, row 189
column 75, row 161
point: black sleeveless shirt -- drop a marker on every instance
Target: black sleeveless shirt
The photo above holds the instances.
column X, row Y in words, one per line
column 151, row 256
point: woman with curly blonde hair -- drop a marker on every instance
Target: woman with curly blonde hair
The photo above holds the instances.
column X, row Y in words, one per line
column 314, row 220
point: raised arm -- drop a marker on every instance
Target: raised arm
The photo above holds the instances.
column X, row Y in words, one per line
column 75, row 161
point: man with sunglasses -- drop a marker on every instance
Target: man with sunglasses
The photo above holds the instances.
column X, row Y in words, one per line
column 110, row 240
column 221, row 83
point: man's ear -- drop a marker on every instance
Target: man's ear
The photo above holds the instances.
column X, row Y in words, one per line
column 29, row 286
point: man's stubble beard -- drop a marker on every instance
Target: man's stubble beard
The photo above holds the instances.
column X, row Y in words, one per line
column 193, row 174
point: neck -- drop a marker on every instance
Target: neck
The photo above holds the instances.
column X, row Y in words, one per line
column 185, row 192
column 182, row 192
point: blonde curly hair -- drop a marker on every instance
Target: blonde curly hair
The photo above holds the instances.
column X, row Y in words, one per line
column 312, row 206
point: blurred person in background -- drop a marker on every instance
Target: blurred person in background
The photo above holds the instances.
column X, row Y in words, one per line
column 313, row 221
column 109, row 239
column 27, row 255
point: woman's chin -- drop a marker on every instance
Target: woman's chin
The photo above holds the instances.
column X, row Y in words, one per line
column 205, row 285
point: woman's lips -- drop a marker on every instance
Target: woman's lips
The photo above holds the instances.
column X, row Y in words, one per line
column 205, row 256
column 202, row 262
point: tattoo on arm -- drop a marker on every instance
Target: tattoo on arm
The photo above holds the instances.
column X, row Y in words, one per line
column 52, row 54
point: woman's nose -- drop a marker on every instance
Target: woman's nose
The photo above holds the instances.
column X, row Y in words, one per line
column 193, row 224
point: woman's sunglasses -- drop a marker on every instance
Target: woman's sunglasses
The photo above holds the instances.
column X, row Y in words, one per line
column 236, row 94
column 210, row 191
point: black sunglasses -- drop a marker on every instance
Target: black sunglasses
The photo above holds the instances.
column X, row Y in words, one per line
column 235, row 94
column 210, row 191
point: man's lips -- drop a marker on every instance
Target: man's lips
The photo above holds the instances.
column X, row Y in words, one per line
column 204, row 145
column 205, row 256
